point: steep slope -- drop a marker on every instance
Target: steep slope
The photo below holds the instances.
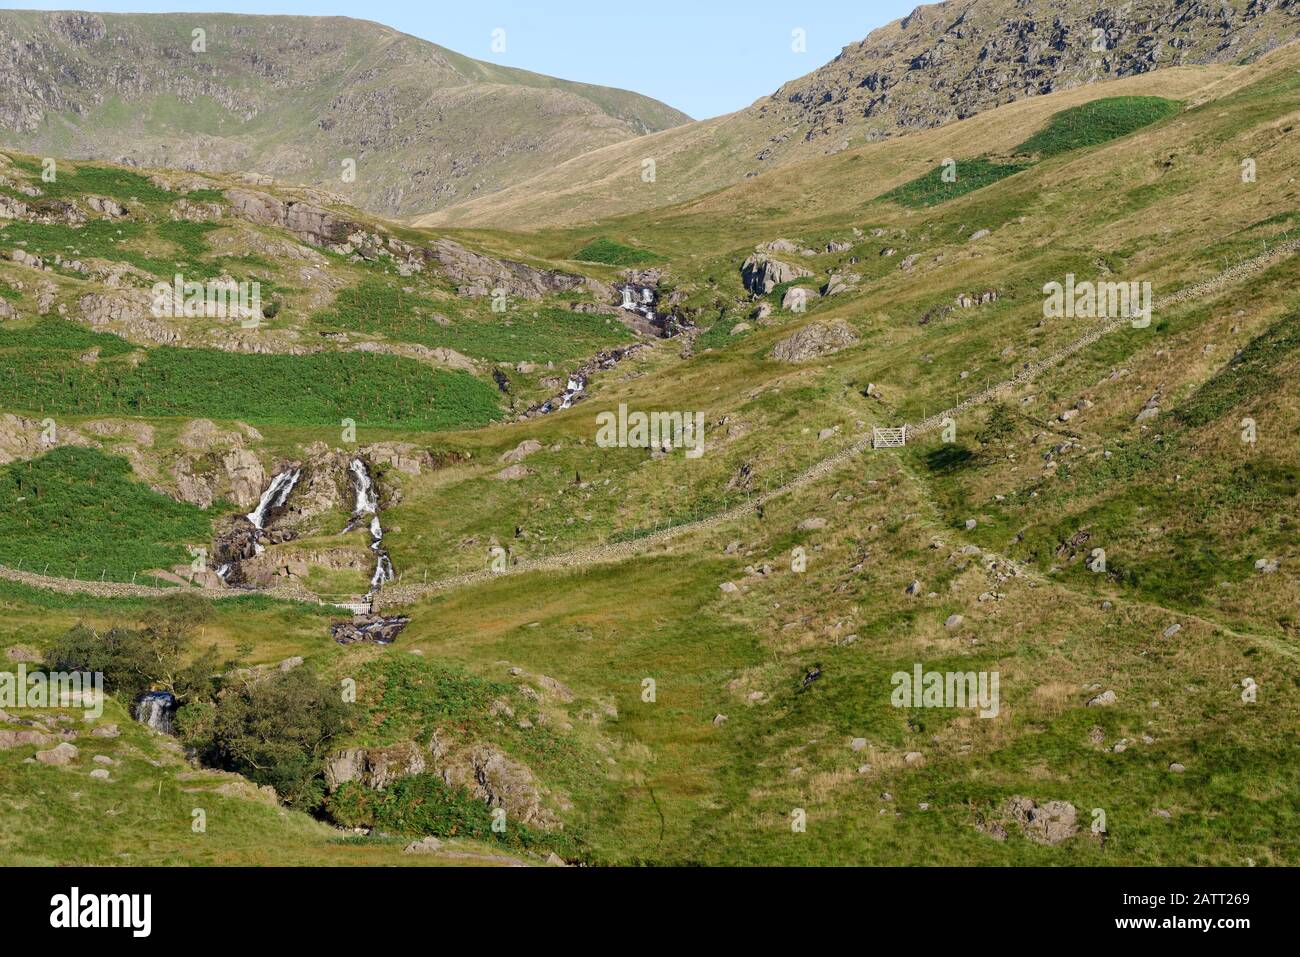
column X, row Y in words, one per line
column 293, row 98
column 942, row 63
column 681, row 657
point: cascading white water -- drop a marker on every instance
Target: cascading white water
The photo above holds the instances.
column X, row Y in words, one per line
column 627, row 298
column 155, row 708
column 367, row 500
column 275, row 496
column 572, row 390
column 367, row 503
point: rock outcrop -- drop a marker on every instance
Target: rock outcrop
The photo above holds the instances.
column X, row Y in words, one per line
column 761, row 274
column 815, row 340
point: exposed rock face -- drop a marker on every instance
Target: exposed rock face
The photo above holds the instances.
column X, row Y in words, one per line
column 402, row 456
column 217, row 466
column 953, row 60
column 1050, row 823
column 15, row 739
column 127, row 314
column 492, row 776
column 318, row 226
column 477, row 275
column 22, row 438
column 239, row 477
column 484, row 771
column 815, row 340
column 762, row 274
column 374, row 767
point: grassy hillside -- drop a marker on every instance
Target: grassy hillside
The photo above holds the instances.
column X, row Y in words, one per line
column 294, row 97
column 682, row 698
column 942, row 63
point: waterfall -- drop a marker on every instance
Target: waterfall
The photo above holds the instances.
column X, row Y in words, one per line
column 275, row 496
column 155, row 708
column 627, row 298
column 367, row 498
column 572, row 390
column 367, row 503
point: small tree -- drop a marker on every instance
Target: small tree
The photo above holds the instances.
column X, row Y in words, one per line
column 277, row 730
column 136, row 660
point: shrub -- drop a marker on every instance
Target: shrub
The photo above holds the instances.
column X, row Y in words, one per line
column 276, row 731
column 135, row 660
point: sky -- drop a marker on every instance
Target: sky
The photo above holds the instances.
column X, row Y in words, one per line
column 704, row 57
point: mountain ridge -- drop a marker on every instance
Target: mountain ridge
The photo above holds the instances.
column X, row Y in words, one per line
column 941, row 63
column 424, row 125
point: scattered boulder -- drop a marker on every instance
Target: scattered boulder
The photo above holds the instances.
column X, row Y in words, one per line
column 762, row 274
column 1150, row 410
column 428, row 845
column 841, row 283
column 796, row 298
column 1102, row 700
column 521, row 452
column 14, row 739
column 371, row 629
column 815, row 340
column 59, row 755
column 1050, row 823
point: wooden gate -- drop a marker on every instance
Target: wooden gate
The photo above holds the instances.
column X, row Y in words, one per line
column 888, row 438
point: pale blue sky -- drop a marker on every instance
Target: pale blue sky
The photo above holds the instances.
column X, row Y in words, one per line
column 705, row 57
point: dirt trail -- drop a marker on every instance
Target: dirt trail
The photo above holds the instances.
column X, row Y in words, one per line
column 403, row 594
column 399, row 594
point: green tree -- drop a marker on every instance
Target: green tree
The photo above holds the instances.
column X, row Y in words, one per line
column 276, row 730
